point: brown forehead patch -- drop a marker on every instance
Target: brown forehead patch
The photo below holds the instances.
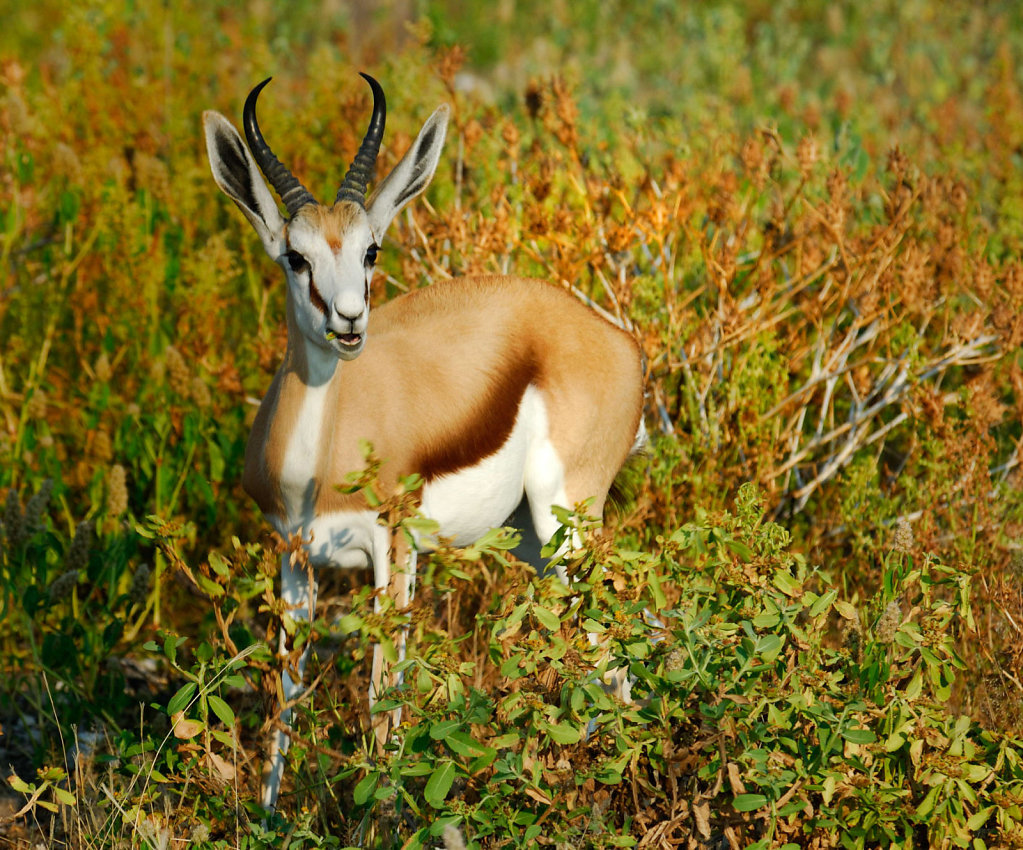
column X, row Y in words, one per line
column 333, row 222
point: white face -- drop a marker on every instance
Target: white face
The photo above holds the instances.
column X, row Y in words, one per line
column 328, row 257
column 327, row 253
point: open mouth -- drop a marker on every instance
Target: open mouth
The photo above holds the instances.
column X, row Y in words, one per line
column 346, row 340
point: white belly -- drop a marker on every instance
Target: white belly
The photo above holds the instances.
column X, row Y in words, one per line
column 470, row 502
column 465, row 504
column 346, row 539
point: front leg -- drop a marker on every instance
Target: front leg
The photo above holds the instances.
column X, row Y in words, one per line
column 299, row 595
column 400, row 586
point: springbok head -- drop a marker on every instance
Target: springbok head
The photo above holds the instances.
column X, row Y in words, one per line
column 327, row 252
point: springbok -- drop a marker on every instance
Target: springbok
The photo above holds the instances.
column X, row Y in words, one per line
column 494, row 389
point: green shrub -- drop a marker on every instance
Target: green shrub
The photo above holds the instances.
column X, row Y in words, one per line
column 748, row 721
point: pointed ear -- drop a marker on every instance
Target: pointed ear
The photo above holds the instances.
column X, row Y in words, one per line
column 410, row 176
column 236, row 173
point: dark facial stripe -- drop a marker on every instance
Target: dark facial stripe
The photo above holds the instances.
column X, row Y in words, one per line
column 315, row 297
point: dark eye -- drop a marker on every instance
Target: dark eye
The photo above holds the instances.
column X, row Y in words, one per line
column 297, row 262
column 371, row 256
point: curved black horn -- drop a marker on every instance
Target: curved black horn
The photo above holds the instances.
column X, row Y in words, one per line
column 364, row 166
column 292, row 193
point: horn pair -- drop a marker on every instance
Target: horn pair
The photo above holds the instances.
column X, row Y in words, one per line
column 292, row 193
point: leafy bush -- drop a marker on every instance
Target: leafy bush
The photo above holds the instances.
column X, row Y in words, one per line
column 747, row 723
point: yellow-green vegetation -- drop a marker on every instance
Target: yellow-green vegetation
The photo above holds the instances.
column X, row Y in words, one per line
column 811, row 217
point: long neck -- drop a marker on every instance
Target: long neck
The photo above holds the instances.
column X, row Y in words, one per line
column 288, row 446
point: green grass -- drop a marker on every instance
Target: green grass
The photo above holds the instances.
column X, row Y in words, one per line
column 810, row 215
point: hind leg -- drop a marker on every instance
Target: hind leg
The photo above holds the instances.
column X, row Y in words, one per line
column 544, row 484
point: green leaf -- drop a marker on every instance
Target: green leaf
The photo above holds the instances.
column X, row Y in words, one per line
column 823, row 603
column 224, row 738
column 562, row 733
column 411, row 483
column 483, row 761
column 740, row 549
column 389, row 650
column 660, row 600
column 749, row 802
column 846, row 610
column 510, row 667
column 384, row 705
column 638, row 648
column 181, row 698
column 416, row 842
column 610, row 772
column 907, row 637
column 787, row 584
column 927, row 804
column 424, row 681
column 769, row 646
column 219, row 564
column 170, row 647
column 421, row 525
column 385, row 792
column 217, row 462
column 894, row 742
column 438, row 826
column 858, row 736
column 509, row 739
column 464, row 744
column 914, row 687
column 828, row 789
column 19, row 784
column 418, row 768
column 209, row 587
column 516, row 615
column 364, row 788
column 441, row 730
column 980, row 818
column 221, row 709
column 439, row 784
column 349, row 624
column 547, row 618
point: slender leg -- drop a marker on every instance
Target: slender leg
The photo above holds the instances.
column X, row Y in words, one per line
column 401, row 587
column 300, row 597
column 407, row 592
column 382, row 583
column 545, row 493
